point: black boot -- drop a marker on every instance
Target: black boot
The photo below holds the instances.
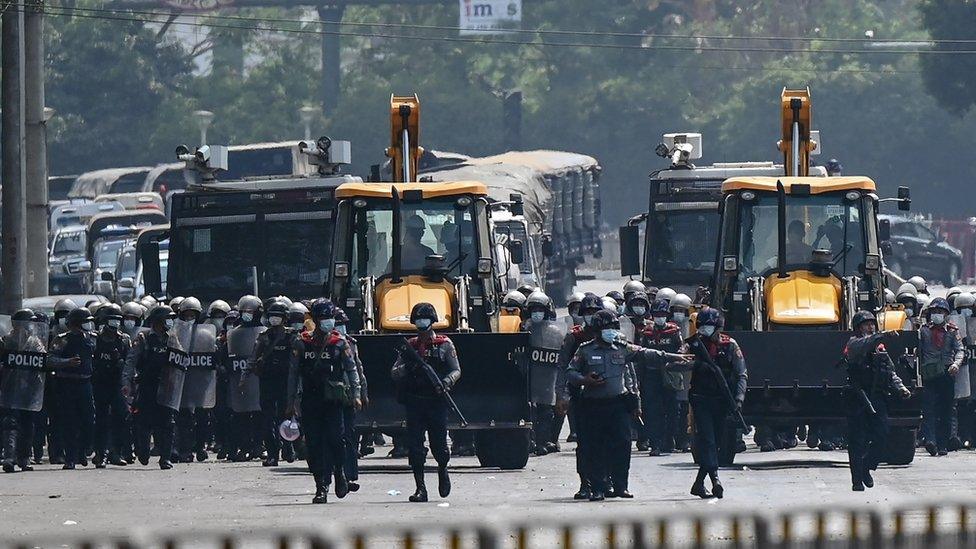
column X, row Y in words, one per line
column 341, row 484
column 420, row 495
column 24, row 464
column 867, row 479
column 584, row 491
column 321, row 491
column 8, row 466
column 443, row 482
column 698, row 488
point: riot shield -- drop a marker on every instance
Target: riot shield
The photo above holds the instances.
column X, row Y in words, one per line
column 627, row 328
column 546, row 339
column 22, row 374
column 173, row 375
column 200, row 387
column 243, row 386
column 963, row 387
column 970, row 342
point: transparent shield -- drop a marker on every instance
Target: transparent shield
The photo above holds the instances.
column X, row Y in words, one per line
column 545, row 343
column 24, row 358
column 627, row 328
column 243, row 386
column 173, row 375
column 200, row 386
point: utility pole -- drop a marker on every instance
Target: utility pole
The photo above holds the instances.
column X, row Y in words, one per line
column 36, row 152
column 331, row 48
column 12, row 154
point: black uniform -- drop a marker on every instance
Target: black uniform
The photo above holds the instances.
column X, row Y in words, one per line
column 323, row 377
column 871, row 377
column 658, row 393
column 272, row 359
column 111, row 412
column 427, row 410
column 349, row 438
column 144, row 367
column 74, row 395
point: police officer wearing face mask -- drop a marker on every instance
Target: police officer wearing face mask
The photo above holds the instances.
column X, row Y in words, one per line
column 426, row 409
column 707, row 395
column 323, row 373
column 567, row 394
column 296, row 317
column 199, row 386
column 618, row 298
column 75, row 398
column 140, row 385
column 546, row 336
column 216, row 313
column 47, row 425
column 21, row 388
column 941, row 355
column 271, row 361
column 132, row 313
column 111, row 414
column 222, row 425
column 658, row 386
column 870, row 378
column 600, row 370
column 350, row 461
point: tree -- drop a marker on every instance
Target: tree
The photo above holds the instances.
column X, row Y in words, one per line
column 950, row 78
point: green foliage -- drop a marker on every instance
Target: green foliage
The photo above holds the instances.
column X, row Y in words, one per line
column 951, row 79
column 873, row 110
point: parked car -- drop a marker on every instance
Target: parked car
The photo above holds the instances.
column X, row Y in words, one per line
column 66, row 252
column 910, row 248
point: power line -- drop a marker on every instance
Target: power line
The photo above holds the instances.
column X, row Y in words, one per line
column 554, row 32
column 71, row 12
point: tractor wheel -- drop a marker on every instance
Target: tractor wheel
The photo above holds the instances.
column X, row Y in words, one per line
column 484, row 444
column 901, row 446
column 512, row 448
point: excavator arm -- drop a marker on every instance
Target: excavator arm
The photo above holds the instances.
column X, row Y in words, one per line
column 404, row 151
column 796, row 145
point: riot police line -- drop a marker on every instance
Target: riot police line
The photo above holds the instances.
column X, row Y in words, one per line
column 121, row 384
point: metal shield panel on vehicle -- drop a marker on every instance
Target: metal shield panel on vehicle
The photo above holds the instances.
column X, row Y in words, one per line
column 173, row 375
column 23, row 357
column 243, row 387
column 493, row 386
column 546, row 340
column 200, row 387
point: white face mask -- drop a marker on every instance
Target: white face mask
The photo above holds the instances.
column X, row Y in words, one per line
column 129, row 324
column 620, row 309
column 608, row 335
column 937, row 318
column 538, row 316
column 113, row 323
column 63, row 322
column 706, row 331
column 639, row 311
column 169, row 323
column 679, row 316
column 327, row 324
column 247, row 317
column 88, row 326
column 275, row 320
column 660, row 320
column 298, row 326
column 422, row 323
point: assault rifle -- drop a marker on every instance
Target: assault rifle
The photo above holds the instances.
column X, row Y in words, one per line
column 411, row 356
column 701, row 353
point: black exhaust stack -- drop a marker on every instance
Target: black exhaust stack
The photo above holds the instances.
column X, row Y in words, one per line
column 397, row 234
column 781, row 229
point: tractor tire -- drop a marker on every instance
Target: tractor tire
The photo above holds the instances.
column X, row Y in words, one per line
column 503, row 448
column 484, row 444
column 901, row 446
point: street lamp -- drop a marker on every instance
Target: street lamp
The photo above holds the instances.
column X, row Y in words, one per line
column 204, row 119
column 307, row 113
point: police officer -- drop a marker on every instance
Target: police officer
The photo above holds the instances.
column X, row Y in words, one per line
column 568, row 395
column 907, row 296
column 573, row 307
column 217, row 312
column 111, row 414
column 426, row 407
column 21, row 390
column 132, row 313
column 140, row 384
column 618, row 298
column 546, row 340
column 941, row 350
column 323, row 376
column 247, row 433
column 222, row 413
column 194, row 419
column 632, row 286
column 75, row 398
column 870, row 377
column 658, row 385
column 637, row 312
column 271, row 362
column 921, row 286
column 349, row 439
column 709, row 393
column 48, row 418
column 297, row 314
column 600, row 370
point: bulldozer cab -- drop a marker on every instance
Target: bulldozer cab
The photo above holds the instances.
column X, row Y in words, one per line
column 398, row 244
column 798, row 252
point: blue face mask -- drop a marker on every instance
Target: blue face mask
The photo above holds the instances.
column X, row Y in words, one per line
column 341, row 329
column 247, row 317
column 538, row 316
column 937, row 318
column 327, row 324
column 608, row 335
column 639, row 311
column 422, row 323
column 706, row 331
column 678, row 316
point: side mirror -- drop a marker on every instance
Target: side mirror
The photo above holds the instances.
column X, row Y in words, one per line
column 904, row 199
column 108, row 276
column 80, row 267
column 629, row 250
column 127, row 282
column 548, row 248
column 517, row 208
column 151, row 275
column 884, row 230
column 516, row 248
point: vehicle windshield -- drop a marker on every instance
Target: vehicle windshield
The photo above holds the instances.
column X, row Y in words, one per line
column 438, row 227
column 107, row 253
column 126, row 267
column 822, row 222
column 70, row 243
column 129, row 183
column 681, row 240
